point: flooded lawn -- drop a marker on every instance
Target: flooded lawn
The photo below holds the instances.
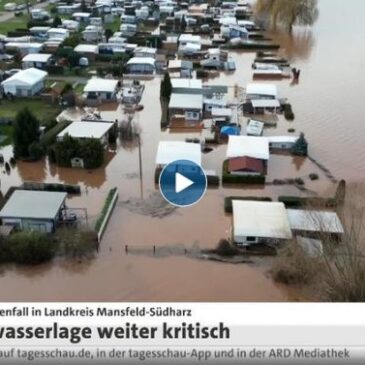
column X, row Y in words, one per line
column 327, row 105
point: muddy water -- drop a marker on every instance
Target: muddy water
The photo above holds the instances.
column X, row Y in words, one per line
column 327, row 102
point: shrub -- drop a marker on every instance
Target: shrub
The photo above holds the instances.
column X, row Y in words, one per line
column 300, row 147
column 36, row 151
column 166, row 87
column 212, row 180
column 5, row 252
column 228, row 178
column 293, row 266
column 242, row 179
column 31, row 247
column 76, row 244
column 225, row 248
column 313, row 176
column 25, row 132
column 298, row 202
column 91, row 150
column 55, row 69
column 288, row 112
column 299, row 181
column 228, row 208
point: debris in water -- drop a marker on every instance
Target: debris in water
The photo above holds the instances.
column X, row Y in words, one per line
column 154, row 206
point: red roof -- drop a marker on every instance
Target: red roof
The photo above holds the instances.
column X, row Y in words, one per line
column 248, row 164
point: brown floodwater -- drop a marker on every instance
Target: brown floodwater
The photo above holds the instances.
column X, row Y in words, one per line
column 327, row 103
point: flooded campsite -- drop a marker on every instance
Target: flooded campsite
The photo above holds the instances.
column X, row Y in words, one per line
column 154, row 251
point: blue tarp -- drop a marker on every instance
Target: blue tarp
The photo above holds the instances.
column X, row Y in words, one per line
column 230, row 131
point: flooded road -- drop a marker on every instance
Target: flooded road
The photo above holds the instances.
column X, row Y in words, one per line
column 327, row 103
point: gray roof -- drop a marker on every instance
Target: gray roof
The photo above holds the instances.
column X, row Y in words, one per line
column 186, row 101
column 33, row 204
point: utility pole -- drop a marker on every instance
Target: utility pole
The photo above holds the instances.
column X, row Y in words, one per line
column 140, row 163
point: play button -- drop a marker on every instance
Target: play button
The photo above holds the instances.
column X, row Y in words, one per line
column 183, row 183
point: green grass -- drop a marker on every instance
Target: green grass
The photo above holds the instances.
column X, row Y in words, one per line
column 13, row 24
column 42, row 110
column 115, row 26
column 6, row 132
column 79, row 88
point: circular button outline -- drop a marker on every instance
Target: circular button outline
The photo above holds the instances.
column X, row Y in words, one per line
column 184, row 205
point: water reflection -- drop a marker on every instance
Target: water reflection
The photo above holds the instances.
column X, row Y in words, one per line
column 296, row 46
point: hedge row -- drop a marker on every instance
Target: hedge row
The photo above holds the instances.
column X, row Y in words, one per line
column 228, row 208
column 243, row 179
column 298, row 202
column 50, row 136
column 67, row 188
column 105, row 209
column 228, row 178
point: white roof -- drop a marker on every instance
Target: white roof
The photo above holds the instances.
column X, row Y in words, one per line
column 314, row 221
column 58, row 30
column 255, row 127
column 186, row 83
column 250, row 146
column 33, row 204
column 81, row 15
column 86, row 130
column 282, row 139
column 96, row 84
column 142, row 61
column 245, row 22
column 175, row 64
column 25, row 45
column 86, row 48
column 186, row 101
column 221, row 112
column 192, row 47
column 190, row 38
column 37, row 57
column 29, row 76
column 145, row 50
column 267, row 71
column 265, row 103
column 227, row 20
column 260, row 219
column 169, row 151
column 262, row 89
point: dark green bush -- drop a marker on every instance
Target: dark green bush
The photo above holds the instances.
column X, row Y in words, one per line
column 55, row 69
column 212, row 180
column 313, row 176
column 36, row 151
column 299, row 202
column 225, row 248
column 288, row 112
column 241, row 179
column 31, row 247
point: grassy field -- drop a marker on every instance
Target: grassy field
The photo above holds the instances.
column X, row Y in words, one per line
column 5, row 135
column 14, row 23
column 43, row 111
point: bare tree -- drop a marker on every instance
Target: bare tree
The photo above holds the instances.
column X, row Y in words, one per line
column 288, row 12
